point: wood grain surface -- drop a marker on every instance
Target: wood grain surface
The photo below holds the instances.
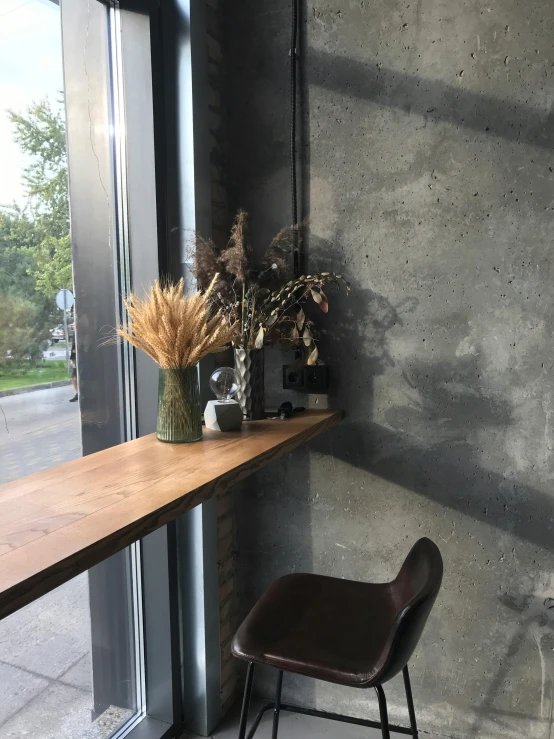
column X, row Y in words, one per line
column 60, row 522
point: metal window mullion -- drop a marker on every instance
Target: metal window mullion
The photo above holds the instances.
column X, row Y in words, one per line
column 134, row 62
column 189, row 209
column 113, row 204
column 123, row 263
column 124, row 279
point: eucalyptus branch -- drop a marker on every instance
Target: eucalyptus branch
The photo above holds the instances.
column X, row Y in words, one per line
column 268, row 294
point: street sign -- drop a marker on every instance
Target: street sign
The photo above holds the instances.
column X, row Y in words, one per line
column 64, row 299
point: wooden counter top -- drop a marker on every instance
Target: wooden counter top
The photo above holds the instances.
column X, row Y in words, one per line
column 60, row 522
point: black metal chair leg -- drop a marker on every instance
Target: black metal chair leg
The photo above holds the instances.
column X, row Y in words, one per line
column 410, row 700
column 277, row 709
column 383, row 711
column 246, row 700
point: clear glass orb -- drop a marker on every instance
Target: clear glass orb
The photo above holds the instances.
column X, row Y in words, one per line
column 224, row 383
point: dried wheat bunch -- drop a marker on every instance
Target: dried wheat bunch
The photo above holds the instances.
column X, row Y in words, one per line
column 174, row 329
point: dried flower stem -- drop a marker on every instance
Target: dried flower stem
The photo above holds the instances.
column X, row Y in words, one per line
column 269, row 295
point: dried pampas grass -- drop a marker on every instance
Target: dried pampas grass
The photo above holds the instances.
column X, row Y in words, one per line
column 235, row 257
column 263, row 298
column 174, row 329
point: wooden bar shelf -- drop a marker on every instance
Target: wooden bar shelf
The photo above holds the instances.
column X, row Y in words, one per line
column 60, row 522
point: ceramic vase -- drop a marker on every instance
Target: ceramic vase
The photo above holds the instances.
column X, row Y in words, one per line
column 249, row 364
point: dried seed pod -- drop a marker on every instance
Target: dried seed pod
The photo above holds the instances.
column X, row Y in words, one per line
column 258, row 344
column 312, row 359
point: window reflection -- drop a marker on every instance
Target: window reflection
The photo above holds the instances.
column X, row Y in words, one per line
column 47, row 649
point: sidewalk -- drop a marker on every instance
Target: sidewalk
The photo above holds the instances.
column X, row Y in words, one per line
column 45, row 647
column 44, row 429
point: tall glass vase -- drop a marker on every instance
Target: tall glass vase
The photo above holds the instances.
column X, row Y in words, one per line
column 249, row 364
column 179, row 411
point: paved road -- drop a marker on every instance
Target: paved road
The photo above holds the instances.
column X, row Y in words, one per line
column 55, row 351
column 37, row 431
column 45, row 662
column 45, row 647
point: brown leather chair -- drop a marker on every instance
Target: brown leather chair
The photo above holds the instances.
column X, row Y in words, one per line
column 350, row 633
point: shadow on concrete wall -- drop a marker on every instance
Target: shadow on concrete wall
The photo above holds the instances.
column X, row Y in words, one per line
column 448, row 472
column 428, row 446
column 432, row 99
column 537, row 622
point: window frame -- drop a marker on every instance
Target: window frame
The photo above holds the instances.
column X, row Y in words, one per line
column 139, row 179
column 114, row 234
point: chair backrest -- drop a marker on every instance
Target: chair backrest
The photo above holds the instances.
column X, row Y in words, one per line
column 413, row 591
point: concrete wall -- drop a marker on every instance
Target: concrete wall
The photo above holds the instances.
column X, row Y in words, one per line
column 427, row 155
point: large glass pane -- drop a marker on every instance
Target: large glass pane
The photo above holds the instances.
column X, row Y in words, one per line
column 63, row 672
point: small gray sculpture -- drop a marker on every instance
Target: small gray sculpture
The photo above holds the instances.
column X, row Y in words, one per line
column 223, row 414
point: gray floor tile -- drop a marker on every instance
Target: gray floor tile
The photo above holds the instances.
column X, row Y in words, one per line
column 80, row 675
column 44, row 430
column 50, row 635
column 60, row 712
column 17, row 688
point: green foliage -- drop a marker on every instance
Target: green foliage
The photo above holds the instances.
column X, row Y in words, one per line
column 52, row 265
column 35, row 251
column 17, row 237
column 21, row 345
column 50, row 371
column 38, row 235
column 41, row 134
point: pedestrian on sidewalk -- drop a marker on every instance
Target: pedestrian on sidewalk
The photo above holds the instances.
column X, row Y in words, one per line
column 73, row 363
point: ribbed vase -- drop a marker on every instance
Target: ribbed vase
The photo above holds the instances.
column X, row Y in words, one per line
column 249, row 365
column 179, row 410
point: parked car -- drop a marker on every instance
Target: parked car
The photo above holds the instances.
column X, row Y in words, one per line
column 57, row 333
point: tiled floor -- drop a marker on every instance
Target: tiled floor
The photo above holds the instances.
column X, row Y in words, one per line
column 38, row 430
column 45, row 669
column 45, row 662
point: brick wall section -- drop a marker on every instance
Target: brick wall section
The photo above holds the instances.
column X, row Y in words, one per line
column 220, row 225
column 227, row 595
column 220, row 211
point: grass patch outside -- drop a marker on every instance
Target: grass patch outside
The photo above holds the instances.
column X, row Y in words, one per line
column 48, row 372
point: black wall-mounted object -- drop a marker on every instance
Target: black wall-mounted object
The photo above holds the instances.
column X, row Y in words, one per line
column 306, row 379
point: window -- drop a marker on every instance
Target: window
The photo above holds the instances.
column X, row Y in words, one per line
column 73, row 659
column 123, row 647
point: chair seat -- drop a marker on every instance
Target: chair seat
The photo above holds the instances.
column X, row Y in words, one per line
column 323, row 627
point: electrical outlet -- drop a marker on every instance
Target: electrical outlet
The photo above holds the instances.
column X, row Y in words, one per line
column 306, row 379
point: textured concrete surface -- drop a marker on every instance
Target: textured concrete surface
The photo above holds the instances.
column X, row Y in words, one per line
column 50, row 636
column 45, row 667
column 37, row 431
column 426, row 139
column 59, row 711
column 45, row 647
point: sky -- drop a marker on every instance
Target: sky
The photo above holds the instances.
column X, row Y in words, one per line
column 30, row 70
